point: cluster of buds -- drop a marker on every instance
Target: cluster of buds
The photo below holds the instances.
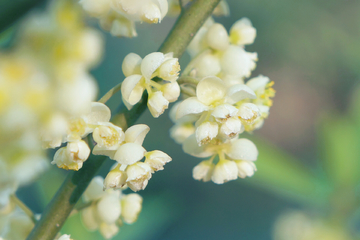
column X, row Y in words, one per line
column 119, row 16
column 44, row 80
column 139, row 74
column 219, row 105
column 108, row 209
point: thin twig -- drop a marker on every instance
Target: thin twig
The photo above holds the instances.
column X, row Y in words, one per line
column 23, row 207
column 110, row 93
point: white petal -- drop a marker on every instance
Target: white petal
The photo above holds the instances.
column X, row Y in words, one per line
column 170, row 69
column 150, row 63
column 249, row 112
column 120, row 27
column 245, row 168
column 217, row 37
column 88, row 218
column 99, row 113
column 157, row 159
column 206, row 64
column 131, row 89
column 157, row 104
column 138, row 176
column 150, row 13
column 242, row 149
column 258, row 83
column 131, row 205
column 96, row 7
column 237, row 62
column 129, row 153
column 171, row 91
column 109, row 208
column 115, row 179
column 210, row 89
column 108, row 230
column 242, row 32
column 180, row 132
column 131, row 64
column 95, row 189
column 203, row 171
column 224, row 111
column 224, row 171
column 136, row 133
column 191, row 147
column 163, row 5
column 240, row 92
column 231, row 127
column 206, row 132
column 190, row 106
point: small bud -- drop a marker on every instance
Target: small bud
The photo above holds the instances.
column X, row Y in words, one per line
column 224, row 171
column 131, row 64
column 138, row 176
column 171, row 91
column 169, row 70
column 245, row 168
column 115, row 179
column 242, row 32
column 249, row 112
column 217, row 37
column 157, row 104
column 109, row 208
column 96, row 7
column 157, row 159
column 203, row 171
column 108, row 230
column 205, row 132
column 131, row 205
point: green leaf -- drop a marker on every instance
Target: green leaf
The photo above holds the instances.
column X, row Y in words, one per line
column 282, row 174
column 340, row 149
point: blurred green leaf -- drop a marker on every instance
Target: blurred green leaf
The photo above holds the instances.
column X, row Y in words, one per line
column 340, row 149
column 281, row 173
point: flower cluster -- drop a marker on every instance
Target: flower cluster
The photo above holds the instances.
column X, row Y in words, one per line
column 119, row 16
column 108, row 209
column 44, row 80
column 219, row 105
column 139, row 74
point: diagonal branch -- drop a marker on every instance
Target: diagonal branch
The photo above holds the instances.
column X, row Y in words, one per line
column 75, row 184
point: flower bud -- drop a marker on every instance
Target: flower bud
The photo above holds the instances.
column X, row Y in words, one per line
column 249, row 112
column 96, row 7
column 108, row 136
column 242, row 32
column 180, row 132
column 131, row 64
column 207, row 65
column 157, row 159
column 108, row 230
column 138, row 176
column 109, row 208
column 231, row 127
column 169, row 70
column 95, row 189
column 224, row 171
column 245, row 168
column 129, row 153
column 205, row 132
column 157, row 104
column 217, row 37
column 171, row 91
column 131, row 205
column 203, row 171
column 115, row 179
column 64, row 237
column 88, row 218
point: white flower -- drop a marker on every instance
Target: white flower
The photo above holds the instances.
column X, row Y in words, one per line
column 157, row 103
column 96, row 7
column 217, row 37
column 108, row 230
column 109, row 207
column 231, row 127
column 180, row 132
column 138, row 176
column 242, row 149
column 242, row 32
column 156, row 160
column 108, row 138
column 131, row 205
column 224, row 171
column 236, row 61
column 153, row 65
column 249, row 112
column 72, row 156
column 245, row 168
column 95, row 189
column 150, row 11
column 203, row 171
column 206, row 132
column 206, row 64
column 115, row 179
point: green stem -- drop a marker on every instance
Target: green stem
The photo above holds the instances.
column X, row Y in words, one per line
column 61, row 205
column 110, row 93
column 23, row 207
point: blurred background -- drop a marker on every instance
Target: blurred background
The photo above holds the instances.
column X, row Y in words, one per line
column 309, row 162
